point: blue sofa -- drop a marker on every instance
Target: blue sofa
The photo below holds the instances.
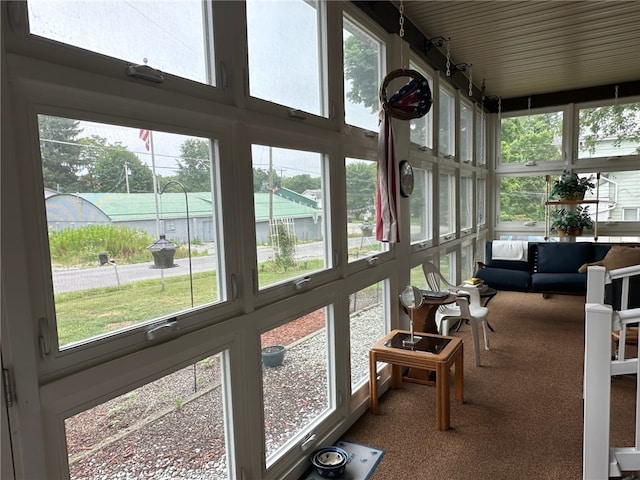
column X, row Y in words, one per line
column 550, row 268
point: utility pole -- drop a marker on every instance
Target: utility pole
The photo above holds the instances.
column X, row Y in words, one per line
column 127, row 172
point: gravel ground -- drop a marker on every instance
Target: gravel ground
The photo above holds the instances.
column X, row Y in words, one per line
column 173, row 428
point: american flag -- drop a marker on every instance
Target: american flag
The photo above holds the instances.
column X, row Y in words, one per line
column 388, row 186
column 145, row 136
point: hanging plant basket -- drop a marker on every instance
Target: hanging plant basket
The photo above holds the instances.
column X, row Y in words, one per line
column 273, row 355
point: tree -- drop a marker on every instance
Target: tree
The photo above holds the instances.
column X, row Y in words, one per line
column 105, row 166
column 617, row 122
column 360, row 66
column 194, row 166
column 361, row 187
column 262, row 179
column 300, row 183
column 522, row 199
column 61, row 163
column 531, row 138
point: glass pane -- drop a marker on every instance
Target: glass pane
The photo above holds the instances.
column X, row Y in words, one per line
column 295, row 385
column 112, row 269
column 421, row 129
column 630, row 214
column 367, row 324
column 361, row 209
column 447, row 124
column 522, row 199
column 143, row 433
column 466, row 202
column 447, row 204
column 284, row 53
column 481, row 197
column 481, row 143
column 466, row 133
column 174, row 37
column 421, row 206
column 417, row 277
column 531, row 138
column 619, row 197
column 448, row 268
column 467, row 261
column 288, row 201
column 363, row 57
column 609, row 131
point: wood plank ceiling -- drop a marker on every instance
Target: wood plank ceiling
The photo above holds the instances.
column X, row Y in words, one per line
column 525, row 48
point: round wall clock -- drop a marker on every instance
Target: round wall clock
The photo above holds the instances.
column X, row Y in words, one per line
column 406, row 178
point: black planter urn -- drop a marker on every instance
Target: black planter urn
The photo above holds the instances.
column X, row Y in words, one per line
column 163, row 251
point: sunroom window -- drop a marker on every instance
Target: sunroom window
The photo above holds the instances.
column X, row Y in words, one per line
column 285, row 48
column 293, row 402
column 447, row 138
column 532, row 138
column 447, row 205
column 289, row 203
column 609, row 131
column 466, row 133
column 421, row 129
column 481, row 201
column 421, row 206
column 141, row 433
column 466, row 202
column 522, row 199
column 133, row 227
column 618, row 196
column 173, row 37
column 367, row 323
column 363, row 67
column 481, row 141
column 361, row 208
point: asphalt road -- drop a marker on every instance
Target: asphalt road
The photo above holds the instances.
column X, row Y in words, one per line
column 74, row 279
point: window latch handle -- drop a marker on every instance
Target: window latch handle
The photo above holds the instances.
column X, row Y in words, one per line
column 300, row 284
column 145, row 72
column 164, row 329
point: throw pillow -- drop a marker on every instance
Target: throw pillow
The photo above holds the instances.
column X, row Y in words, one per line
column 618, row 256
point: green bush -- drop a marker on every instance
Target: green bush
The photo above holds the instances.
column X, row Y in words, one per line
column 81, row 246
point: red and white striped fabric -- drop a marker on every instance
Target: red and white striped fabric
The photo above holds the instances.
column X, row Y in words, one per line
column 145, row 136
column 388, row 186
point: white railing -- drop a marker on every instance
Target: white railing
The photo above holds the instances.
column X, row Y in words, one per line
column 599, row 461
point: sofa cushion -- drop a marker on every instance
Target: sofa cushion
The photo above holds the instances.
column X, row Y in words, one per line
column 504, row 279
column 563, row 257
column 559, row 282
column 618, row 256
column 506, row 264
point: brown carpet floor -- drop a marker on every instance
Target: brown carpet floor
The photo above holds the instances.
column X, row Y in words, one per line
column 523, row 412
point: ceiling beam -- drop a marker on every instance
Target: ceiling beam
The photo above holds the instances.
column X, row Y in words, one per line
column 581, row 95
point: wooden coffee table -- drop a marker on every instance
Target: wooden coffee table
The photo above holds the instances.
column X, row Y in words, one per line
column 432, row 352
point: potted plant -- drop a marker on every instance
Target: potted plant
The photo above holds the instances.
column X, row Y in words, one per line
column 273, row 355
column 571, row 222
column 569, row 186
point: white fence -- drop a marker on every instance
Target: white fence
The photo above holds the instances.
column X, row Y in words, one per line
column 599, row 461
